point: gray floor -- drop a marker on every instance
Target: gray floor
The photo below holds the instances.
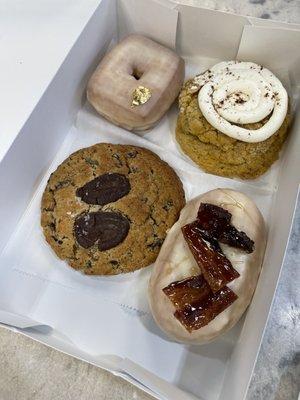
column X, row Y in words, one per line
column 32, row 371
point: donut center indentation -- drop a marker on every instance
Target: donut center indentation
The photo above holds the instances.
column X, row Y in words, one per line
column 136, row 73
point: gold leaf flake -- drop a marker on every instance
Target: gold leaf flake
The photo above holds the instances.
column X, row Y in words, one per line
column 140, row 96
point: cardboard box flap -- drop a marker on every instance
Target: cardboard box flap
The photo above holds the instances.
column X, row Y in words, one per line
column 269, row 23
column 274, row 48
column 163, row 389
column 209, row 33
column 158, row 23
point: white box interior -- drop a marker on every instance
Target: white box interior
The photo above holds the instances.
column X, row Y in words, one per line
column 77, row 310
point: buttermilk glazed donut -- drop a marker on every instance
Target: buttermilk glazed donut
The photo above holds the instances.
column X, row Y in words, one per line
column 136, row 83
column 176, row 263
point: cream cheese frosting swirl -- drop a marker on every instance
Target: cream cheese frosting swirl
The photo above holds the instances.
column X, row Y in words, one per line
column 234, row 93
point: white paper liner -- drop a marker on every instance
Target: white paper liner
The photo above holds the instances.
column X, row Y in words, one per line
column 86, row 308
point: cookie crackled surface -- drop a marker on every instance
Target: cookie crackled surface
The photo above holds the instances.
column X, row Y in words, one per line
column 136, row 83
column 107, row 208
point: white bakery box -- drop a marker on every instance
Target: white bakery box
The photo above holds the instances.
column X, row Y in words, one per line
column 106, row 320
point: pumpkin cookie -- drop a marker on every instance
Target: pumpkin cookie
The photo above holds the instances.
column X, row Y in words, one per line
column 107, row 208
column 219, row 153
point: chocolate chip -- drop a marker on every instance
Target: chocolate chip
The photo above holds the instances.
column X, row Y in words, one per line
column 104, row 229
column 57, row 240
column 132, row 154
column 104, row 189
column 114, row 264
column 91, row 162
column 134, row 169
column 157, row 243
column 119, row 161
column 168, row 205
column 62, row 184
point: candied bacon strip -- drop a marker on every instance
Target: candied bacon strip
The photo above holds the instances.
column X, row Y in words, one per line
column 201, row 312
column 215, row 266
column 213, row 242
column 214, row 221
column 187, row 291
column 196, row 305
column 237, row 239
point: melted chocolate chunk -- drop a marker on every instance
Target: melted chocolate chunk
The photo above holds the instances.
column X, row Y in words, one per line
column 104, row 189
column 104, row 229
column 215, row 266
column 196, row 305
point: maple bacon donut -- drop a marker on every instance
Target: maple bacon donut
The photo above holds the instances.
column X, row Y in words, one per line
column 207, row 270
column 136, row 83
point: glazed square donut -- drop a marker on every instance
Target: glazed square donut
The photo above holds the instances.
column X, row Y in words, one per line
column 136, row 83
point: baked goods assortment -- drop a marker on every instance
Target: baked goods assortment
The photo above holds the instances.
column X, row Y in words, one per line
column 111, row 208
column 136, row 83
column 106, row 209
column 207, row 270
column 233, row 119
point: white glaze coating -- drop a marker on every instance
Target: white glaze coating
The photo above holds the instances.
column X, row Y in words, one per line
column 136, row 61
column 175, row 262
column 238, row 93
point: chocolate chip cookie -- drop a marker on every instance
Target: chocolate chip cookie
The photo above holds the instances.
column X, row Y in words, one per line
column 107, row 208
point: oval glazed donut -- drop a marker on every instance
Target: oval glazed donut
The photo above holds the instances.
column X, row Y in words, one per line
column 136, row 62
column 175, row 262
